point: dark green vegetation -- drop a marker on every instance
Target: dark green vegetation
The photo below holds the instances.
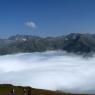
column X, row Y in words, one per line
column 74, row 42
column 7, row 89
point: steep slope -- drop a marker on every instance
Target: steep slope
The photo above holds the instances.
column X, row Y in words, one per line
column 79, row 43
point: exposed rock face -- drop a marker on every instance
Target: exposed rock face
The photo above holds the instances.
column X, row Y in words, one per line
column 74, row 42
column 79, row 43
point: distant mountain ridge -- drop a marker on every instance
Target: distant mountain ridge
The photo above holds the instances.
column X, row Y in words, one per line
column 74, row 42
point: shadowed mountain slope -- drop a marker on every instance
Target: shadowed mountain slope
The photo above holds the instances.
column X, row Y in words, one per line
column 74, row 42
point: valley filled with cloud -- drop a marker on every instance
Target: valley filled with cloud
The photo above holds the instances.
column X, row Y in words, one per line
column 52, row 70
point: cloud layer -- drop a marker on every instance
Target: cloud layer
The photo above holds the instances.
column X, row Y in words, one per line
column 53, row 70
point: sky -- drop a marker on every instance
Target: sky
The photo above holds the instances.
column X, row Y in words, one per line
column 46, row 17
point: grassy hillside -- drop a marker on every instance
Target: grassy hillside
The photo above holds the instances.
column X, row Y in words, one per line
column 6, row 89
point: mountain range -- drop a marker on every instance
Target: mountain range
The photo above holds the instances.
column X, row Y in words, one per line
column 73, row 42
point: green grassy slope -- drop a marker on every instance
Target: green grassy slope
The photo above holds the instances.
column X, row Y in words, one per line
column 6, row 89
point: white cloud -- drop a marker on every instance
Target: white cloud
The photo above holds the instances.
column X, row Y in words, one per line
column 49, row 70
column 31, row 24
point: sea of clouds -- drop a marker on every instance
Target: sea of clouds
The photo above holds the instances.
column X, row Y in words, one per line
column 52, row 70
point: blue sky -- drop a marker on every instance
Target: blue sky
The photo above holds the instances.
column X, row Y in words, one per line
column 46, row 17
